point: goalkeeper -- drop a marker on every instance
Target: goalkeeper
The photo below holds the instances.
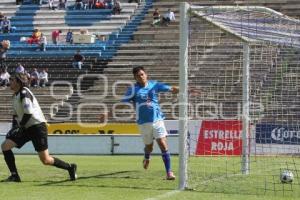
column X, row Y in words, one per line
column 28, row 124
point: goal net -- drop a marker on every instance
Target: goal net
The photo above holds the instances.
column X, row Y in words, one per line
column 239, row 100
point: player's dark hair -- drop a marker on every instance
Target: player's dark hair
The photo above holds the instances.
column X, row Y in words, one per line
column 22, row 79
column 135, row 70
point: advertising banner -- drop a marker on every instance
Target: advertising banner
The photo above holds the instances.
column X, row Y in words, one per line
column 277, row 134
column 111, row 128
column 220, row 137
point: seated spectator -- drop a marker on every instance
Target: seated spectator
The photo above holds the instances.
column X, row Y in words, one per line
column 117, row 8
column 4, row 77
column 78, row 5
column 99, row 4
column 5, row 25
column 62, row 4
column 34, row 78
column 109, row 4
column 3, row 51
column 85, row 4
column 43, row 77
column 35, row 37
column 156, row 17
column 168, row 17
column 91, row 4
column 18, row 2
column 20, row 69
column 42, row 43
column 55, row 36
column 69, row 37
column 51, row 5
column 136, row 1
column 78, row 60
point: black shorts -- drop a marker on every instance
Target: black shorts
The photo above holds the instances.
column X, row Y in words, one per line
column 37, row 134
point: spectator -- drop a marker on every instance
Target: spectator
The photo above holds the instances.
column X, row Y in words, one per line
column 5, row 25
column 78, row 60
column 136, row 1
column 34, row 78
column 156, row 17
column 51, row 4
column 91, row 4
column 62, row 4
column 117, row 8
column 78, row 5
column 3, row 52
column 20, row 69
column 18, row 2
column 4, row 77
column 55, row 36
column 69, row 37
column 99, row 4
column 168, row 17
column 85, row 4
column 42, row 43
column 35, row 37
column 108, row 4
column 43, row 77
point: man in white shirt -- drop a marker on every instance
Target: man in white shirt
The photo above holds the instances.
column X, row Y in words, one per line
column 168, row 17
column 43, row 77
column 42, row 43
column 4, row 77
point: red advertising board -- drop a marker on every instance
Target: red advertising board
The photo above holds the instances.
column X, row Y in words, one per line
column 220, row 137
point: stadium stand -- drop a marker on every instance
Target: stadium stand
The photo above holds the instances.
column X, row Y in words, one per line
column 131, row 42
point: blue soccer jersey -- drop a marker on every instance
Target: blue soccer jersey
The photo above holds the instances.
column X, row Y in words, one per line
column 145, row 100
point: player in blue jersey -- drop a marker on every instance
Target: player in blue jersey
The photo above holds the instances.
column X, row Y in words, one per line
column 144, row 96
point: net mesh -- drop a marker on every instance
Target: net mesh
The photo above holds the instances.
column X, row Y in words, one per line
column 216, row 41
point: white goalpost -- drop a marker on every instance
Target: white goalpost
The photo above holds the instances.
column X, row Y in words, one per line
column 240, row 131
column 183, row 88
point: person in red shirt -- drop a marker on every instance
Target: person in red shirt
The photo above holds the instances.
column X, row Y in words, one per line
column 55, row 36
column 35, row 37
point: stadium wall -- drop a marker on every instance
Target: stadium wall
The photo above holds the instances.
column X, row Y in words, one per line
column 207, row 137
column 96, row 145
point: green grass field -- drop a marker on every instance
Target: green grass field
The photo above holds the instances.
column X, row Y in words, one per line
column 111, row 178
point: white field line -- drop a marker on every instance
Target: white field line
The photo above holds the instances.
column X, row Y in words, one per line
column 165, row 195
column 174, row 192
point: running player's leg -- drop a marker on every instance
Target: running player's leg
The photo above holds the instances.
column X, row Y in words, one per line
column 160, row 134
column 147, row 135
column 39, row 140
column 14, row 138
column 9, row 158
column 47, row 159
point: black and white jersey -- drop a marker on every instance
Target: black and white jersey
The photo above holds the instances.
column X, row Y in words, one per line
column 24, row 102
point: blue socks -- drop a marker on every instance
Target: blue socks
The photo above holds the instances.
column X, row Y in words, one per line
column 167, row 160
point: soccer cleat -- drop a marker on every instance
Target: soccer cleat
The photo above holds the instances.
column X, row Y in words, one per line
column 12, row 178
column 72, row 172
column 146, row 163
column 170, row 176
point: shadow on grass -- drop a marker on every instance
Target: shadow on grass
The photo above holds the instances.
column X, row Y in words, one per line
column 123, row 174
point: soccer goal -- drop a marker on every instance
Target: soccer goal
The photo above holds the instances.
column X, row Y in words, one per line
column 239, row 100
